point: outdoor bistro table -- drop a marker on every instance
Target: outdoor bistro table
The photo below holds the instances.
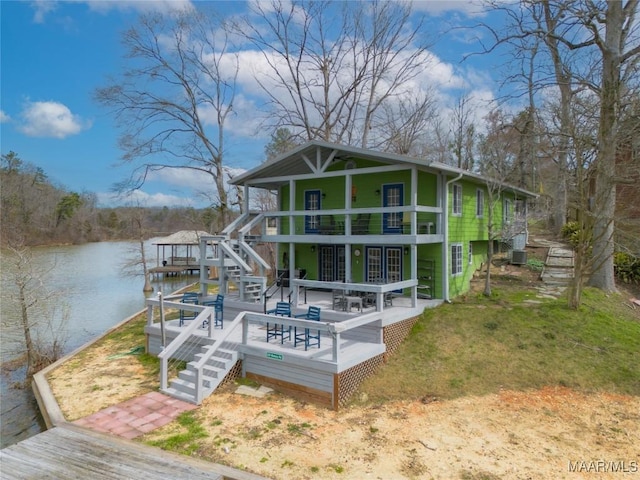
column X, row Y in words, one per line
column 350, row 301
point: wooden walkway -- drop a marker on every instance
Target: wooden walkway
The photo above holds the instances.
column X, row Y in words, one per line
column 70, row 452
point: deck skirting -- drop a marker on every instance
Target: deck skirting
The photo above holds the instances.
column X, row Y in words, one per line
column 394, row 335
column 348, row 381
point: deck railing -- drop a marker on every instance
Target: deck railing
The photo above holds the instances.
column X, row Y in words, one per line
column 378, row 289
column 332, row 331
column 207, row 314
column 402, row 220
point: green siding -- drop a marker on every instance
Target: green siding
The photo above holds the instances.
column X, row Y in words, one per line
column 468, row 227
column 368, row 188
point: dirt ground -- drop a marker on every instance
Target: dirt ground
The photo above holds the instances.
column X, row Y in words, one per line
column 551, row 433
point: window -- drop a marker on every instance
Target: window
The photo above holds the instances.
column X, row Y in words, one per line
column 393, row 196
column 456, row 259
column 457, row 199
column 479, row 203
column 312, row 202
column 470, row 253
column 506, row 211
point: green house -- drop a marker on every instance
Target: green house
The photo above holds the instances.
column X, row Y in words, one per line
column 356, row 216
column 311, row 296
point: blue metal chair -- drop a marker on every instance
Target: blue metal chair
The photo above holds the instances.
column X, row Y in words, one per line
column 275, row 330
column 218, row 305
column 192, row 298
column 306, row 337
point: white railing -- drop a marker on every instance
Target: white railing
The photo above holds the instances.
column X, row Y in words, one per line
column 332, row 331
column 379, row 289
column 199, row 365
column 207, row 314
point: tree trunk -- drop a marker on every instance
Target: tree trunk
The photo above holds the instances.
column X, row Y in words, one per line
column 605, row 188
column 32, row 357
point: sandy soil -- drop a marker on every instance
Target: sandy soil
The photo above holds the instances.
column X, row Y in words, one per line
column 545, row 434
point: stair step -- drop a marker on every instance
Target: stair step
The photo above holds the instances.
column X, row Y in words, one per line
column 184, row 386
column 172, row 392
column 208, row 381
column 213, row 368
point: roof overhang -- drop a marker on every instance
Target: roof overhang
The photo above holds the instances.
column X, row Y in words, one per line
column 314, row 157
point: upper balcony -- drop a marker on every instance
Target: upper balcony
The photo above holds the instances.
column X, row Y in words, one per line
column 398, row 225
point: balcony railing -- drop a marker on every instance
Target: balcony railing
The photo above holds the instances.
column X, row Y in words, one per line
column 417, row 220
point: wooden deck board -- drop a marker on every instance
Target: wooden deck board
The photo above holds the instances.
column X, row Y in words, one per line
column 72, row 452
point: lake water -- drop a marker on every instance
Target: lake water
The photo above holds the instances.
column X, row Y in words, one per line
column 94, row 296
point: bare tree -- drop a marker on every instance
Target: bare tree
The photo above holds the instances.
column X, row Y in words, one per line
column 135, row 264
column 463, row 133
column 42, row 325
column 330, row 71
column 496, row 159
column 595, row 46
column 618, row 45
column 403, row 124
column 174, row 98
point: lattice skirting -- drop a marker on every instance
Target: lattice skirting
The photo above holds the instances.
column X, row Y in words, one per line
column 394, row 335
column 347, row 382
column 235, row 372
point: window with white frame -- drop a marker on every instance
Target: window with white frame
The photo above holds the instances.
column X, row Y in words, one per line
column 457, row 199
column 506, row 211
column 470, row 253
column 456, row 259
column 479, row 203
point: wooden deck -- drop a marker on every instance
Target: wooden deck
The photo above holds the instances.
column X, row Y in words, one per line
column 68, row 451
column 174, row 270
column 353, row 344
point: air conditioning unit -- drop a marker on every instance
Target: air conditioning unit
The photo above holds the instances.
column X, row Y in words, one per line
column 518, row 257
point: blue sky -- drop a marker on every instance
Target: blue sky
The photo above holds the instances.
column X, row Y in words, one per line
column 55, row 54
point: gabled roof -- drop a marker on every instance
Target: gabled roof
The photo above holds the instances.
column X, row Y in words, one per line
column 183, row 237
column 313, row 158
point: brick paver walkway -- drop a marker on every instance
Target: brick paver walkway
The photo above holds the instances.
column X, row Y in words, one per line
column 136, row 416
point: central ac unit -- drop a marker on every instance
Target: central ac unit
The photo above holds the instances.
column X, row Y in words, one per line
column 518, row 257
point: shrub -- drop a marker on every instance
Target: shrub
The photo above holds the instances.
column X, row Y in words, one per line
column 571, row 233
column 626, row 267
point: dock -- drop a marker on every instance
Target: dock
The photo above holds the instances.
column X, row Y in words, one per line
column 174, row 270
column 68, row 451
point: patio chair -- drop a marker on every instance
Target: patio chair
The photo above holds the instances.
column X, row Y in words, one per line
column 327, row 225
column 275, row 330
column 361, row 224
column 218, row 305
column 192, row 298
column 306, row 336
column 338, row 300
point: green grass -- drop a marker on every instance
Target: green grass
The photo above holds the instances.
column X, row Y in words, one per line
column 185, row 442
column 479, row 345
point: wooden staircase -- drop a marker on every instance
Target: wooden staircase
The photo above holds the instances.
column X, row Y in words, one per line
column 217, row 365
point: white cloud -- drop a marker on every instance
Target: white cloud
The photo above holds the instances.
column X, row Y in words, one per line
column 143, row 199
column 44, row 7
column 470, row 8
column 143, row 6
column 50, row 119
column 4, row 118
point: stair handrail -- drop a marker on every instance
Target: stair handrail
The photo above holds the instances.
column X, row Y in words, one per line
column 242, row 231
column 234, row 256
column 253, row 254
column 207, row 314
column 211, row 349
column 234, row 225
column 278, row 284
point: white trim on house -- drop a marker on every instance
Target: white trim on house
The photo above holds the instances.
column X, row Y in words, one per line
column 457, row 262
